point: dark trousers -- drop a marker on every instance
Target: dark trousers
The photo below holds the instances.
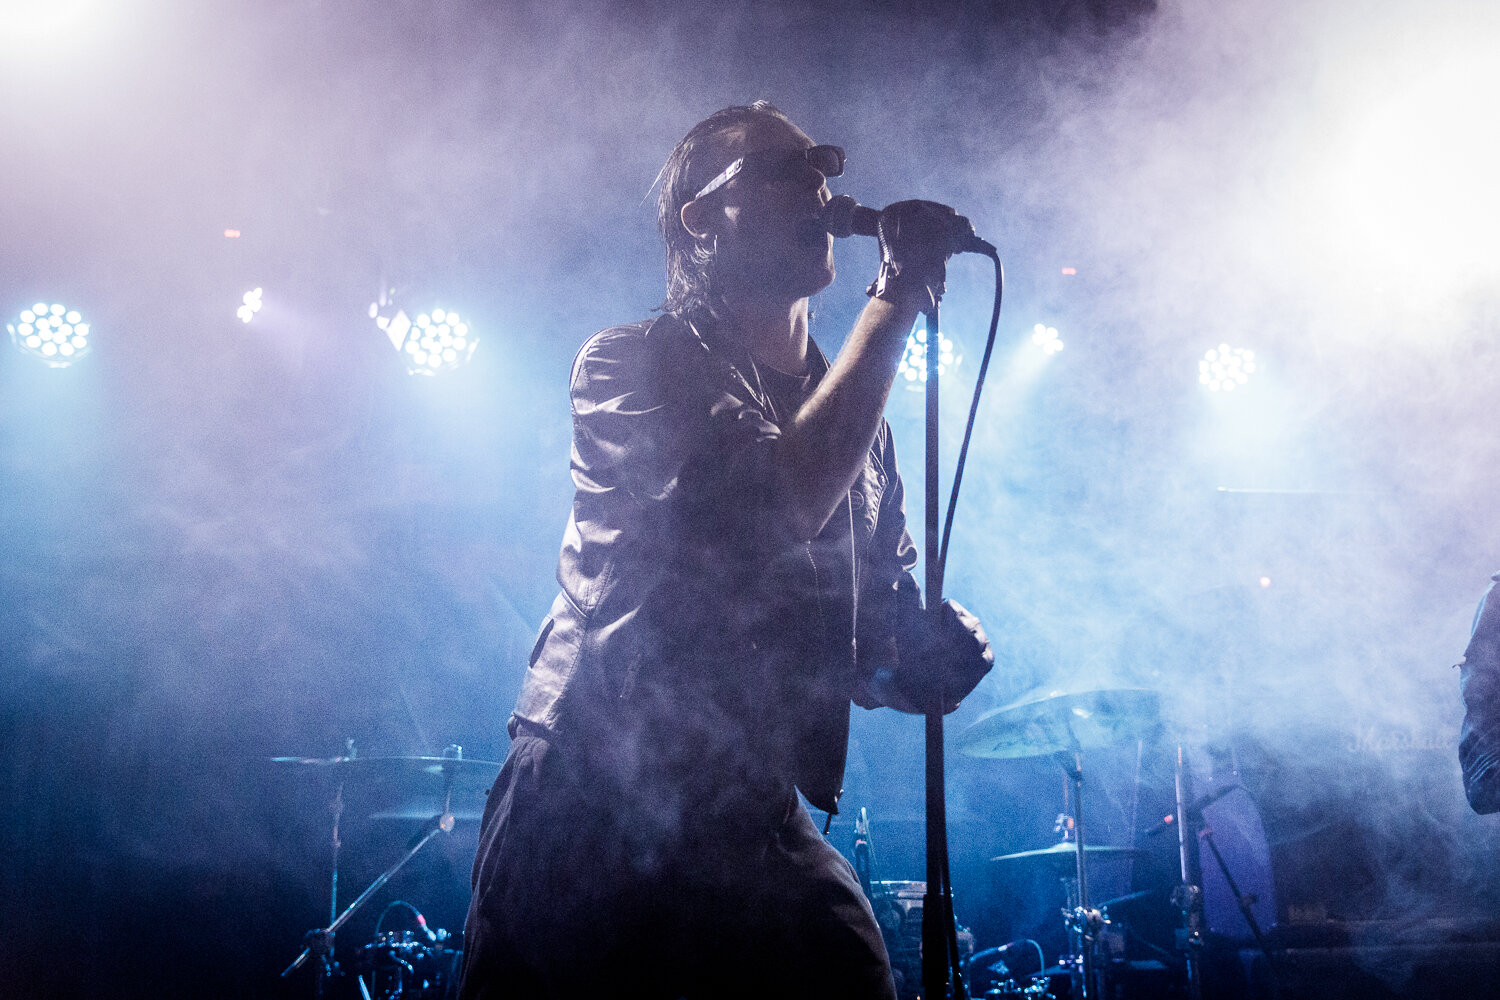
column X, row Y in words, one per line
column 586, row 889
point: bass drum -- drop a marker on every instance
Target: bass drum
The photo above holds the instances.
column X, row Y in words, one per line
column 898, row 910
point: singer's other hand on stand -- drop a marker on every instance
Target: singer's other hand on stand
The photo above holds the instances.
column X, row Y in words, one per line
column 943, row 659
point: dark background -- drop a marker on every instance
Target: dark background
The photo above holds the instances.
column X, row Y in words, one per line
column 222, row 542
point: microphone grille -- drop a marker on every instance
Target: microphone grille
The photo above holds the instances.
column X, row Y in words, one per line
column 838, row 215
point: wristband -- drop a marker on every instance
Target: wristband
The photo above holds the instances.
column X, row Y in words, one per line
column 891, row 284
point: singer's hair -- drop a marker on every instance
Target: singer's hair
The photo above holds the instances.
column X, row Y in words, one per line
column 690, row 261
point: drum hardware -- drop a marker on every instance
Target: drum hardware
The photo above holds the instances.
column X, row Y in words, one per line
column 1127, row 898
column 899, row 906
column 406, row 965
column 864, row 854
column 1187, row 897
column 320, row 940
column 413, row 778
column 1109, row 940
column 992, row 971
column 1246, row 903
column 400, row 967
column 1065, row 724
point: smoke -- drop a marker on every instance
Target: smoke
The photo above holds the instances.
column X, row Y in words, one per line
column 1293, row 566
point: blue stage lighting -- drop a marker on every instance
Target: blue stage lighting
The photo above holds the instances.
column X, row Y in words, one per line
column 250, row 304
column 435, row 342
column 1045, row 337
column 913, row 366
column 1225, row 367
column 53, row 334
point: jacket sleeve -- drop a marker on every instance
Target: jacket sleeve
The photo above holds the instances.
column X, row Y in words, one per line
column 888, row 593
column 1479, row 681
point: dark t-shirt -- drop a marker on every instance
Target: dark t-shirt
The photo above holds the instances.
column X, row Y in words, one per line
column 787, row 392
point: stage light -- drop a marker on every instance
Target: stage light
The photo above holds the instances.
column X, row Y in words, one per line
column 913, row 366
column 1225, row 367
column 44, row 29
column 433, row 342
column 53, row 334
column 1046, row 338
column 250, row 304
column 1403, row 181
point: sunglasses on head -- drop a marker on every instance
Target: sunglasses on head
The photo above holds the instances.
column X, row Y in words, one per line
column 773, row 164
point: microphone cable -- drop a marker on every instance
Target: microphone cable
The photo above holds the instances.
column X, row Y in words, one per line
column 963, row 451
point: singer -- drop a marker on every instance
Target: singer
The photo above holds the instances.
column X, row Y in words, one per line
column 736, row 570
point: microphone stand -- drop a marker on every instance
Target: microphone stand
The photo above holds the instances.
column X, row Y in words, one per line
column 1188, row 896
column 939, row 935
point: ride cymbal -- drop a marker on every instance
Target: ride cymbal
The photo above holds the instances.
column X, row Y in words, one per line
column 1062, row 722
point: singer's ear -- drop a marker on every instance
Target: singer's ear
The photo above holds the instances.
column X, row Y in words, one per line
column 696, row 218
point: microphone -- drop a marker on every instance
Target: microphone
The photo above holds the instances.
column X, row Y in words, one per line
column 1193, row 811
column 843, row 216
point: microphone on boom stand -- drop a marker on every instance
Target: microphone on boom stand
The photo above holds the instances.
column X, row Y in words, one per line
column 943, row 230
column 843, row 216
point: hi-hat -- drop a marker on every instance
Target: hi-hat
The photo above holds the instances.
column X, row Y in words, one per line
column 1063, row 855
column 1063, row 722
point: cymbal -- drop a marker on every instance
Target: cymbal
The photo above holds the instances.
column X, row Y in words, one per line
column 432, row 765
column 1063, row 855
column 416, row 810
column 1061, row 721
column 405, row 788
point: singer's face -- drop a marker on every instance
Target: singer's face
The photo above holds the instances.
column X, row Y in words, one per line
column 770, row 244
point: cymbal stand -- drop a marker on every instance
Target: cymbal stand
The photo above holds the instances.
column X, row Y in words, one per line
column 1245, row 903
column 323, row 947
column 1188, row 896
column 323, row 944
column 337, row 808
column 864, row 854
column 320, row 940
column 1082, row 921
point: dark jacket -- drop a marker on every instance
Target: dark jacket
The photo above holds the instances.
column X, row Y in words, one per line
column 695, row 643
column 1479, row 680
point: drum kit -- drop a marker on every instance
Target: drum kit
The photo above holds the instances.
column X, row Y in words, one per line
column 1061, row 725
column 422, row 963
column 416, row 964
